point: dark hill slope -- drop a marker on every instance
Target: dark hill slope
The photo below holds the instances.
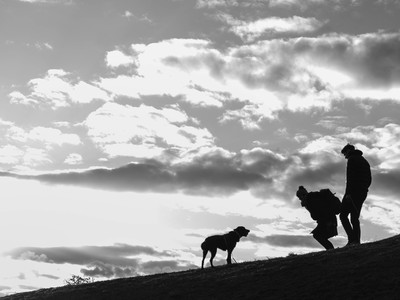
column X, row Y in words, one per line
column 368, row 271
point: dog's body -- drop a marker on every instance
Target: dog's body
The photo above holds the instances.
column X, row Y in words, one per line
column 224, row 242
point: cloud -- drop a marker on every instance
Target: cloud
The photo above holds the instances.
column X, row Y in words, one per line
column 31, row 255
column 52, row 136
column 49, row 276
column 213, row 171
column 264, row 77
column 47, row 136
column 303, row 4
column 73, row 159
column 119, row 260
column 32, row 147
column 213, row 175
column 118, row 254
column 10, row 155
column 57, row 90
column 117, row 58
column 273, row 26
column 144, row 131
column 67, row 2
column 369, row 59
column 213, row 4
column 382, row 143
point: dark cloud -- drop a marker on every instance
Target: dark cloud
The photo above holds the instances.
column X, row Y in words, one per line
column 330, row 173
column 209, row 175
column 119, row 260
column 386, row 183
column 259, row 171
column 118, row 254
column 48, row 276
column 371, row 58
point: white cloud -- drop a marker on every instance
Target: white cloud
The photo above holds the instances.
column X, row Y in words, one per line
column 327, row 144
column 42, row 46
column 83, row 92
column 34, row 157
column 249, row 31
column 117, row 58
column 192, row 69
column 383, row 212
column 143, row 131
column 48, row 1
column 299, row 3
column 128, row 14
column 10, row 155
column 267, row 76
column 46, row 135
column 383, row 142
column 302, row 4
column 57, row 90
column 51, row 137
column 392, row 93
column 73, row 159
column 218, row 3
column 31, row 148
column 17, row 97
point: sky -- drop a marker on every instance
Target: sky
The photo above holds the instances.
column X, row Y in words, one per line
column 132, row 130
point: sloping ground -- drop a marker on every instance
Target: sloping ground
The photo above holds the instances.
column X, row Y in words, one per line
column 368, row 271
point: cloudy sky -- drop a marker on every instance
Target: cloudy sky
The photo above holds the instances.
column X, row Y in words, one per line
column 131, row 130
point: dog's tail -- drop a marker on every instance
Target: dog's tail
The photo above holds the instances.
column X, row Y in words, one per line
column 204, row 245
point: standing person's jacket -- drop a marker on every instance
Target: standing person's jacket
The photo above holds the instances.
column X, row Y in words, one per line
column 358, row 173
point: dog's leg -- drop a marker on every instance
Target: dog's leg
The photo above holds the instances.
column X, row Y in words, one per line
column 213, row 253
column 228, row 259
column 204, row 256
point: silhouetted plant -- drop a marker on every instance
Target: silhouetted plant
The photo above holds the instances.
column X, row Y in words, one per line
column 78, row 280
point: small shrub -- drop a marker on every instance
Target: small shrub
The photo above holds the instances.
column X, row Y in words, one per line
column 78, row 280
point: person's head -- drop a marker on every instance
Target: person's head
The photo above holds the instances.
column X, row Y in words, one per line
column 302, row 193
column 347, row 150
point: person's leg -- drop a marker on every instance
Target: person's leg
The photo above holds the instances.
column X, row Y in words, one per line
column 323, row 241
column 358, row 201
column 355, row 222
column 346, row 210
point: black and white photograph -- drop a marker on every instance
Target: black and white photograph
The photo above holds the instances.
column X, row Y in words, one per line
column 137, row 136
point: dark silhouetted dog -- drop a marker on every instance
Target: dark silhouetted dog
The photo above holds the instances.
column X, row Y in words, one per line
column 224, row 242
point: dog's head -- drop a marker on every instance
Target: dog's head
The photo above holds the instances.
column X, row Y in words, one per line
column 242, row 231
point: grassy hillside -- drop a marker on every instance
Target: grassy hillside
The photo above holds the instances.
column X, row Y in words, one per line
column 368, row 271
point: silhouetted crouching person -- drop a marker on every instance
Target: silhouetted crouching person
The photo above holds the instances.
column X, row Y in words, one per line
column 358, row 180
column 323, row 209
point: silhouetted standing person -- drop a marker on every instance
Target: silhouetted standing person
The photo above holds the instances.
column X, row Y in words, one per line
column 322, row 210
column 358, row 180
